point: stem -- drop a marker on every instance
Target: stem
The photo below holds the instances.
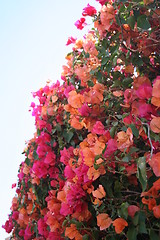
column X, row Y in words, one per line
column 149, row 138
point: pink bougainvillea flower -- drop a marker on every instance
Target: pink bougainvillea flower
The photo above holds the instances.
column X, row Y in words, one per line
column 28, row 233
column 8, row 225
column 71, row 40
column 50, row 158
column 132, row 209
column 68, row 172
column 42, row 227
column 66, row 154
column 32, row 104
column 75, row 195
column 102, row 2
column 21, row 233
column 98, row 128
column 80, row 24
column 15, row 215
column 68, row 89
column 66, row 209
column 40, row 169
column 144, row 91
column 89, row 11
column 84, row 110
column 145, row 110
column 13, row 185
column 111, row 147
column 41, row 151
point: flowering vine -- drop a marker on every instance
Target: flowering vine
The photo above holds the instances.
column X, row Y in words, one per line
column 92, row 169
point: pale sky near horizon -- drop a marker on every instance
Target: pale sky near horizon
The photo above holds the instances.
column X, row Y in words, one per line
column 32, row 50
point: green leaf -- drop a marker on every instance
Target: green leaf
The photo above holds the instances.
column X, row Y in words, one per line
column 85, row 237
column 134, row 130
column 35, row 229
column 90, row 83
column 123, row 211
column 64, row 223
column 127, row 158
column 58, row 127
column 112, row 131
column 141, row 174
column 114, row 124
column 104, row 60
column 27, row 161
column 132, row 233
column 141, row 223
column 96, row 166
column 131, row 21
column 86, row 55
column 114, row 61
column 136, row 13
column 137, row 61
column 35, row 155
column 127, row 81
column 68, row 136
column 142, row 22
column 133, row 149
column 117, row 187
column 107, row 184
column 38, row 132
column 54, row 130
column 153, row 235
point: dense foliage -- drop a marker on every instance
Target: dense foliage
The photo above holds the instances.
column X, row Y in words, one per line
column 92, row 169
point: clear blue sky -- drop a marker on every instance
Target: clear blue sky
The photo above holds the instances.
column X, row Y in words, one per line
column 32, row 50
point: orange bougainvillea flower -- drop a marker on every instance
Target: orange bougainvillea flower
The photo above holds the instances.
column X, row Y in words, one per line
column 99, row 193
column 103, row 221
column 156, row 101
column 98, row 147
column 155, row 92
column 75, row 100
column 118, row 93
column 156, row 211
column 75, row 123
column 151, row 202
column 125, row 139
column 88, row 156
column 129, row 69
column 72, row 232
column 52, row 222
column 70, row 109
column 95, row 173
column 155, row 164
column 26, row 169
column 61, row 196
column 119, row 224
column 155, row 124
column 140, row 81
column 146, row 2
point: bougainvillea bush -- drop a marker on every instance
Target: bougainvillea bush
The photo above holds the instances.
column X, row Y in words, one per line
column 92, row 169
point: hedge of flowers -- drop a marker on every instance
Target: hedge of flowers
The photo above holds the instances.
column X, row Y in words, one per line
column 92, row 169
